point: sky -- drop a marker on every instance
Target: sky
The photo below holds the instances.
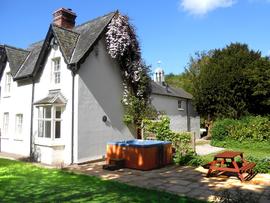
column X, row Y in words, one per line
column 170, row 31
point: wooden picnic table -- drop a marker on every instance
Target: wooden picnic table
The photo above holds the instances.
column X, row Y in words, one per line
column 225, row 162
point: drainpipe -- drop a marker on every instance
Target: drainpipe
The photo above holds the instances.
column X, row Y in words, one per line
column 31, row 119
column 188, row 117
column 73, row 72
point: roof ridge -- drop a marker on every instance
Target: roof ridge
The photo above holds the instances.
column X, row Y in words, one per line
column 95, row 19
column 53, row 25
column 34, row 43
column 16, row 48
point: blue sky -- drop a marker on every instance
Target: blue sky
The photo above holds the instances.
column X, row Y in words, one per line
column 170, row 31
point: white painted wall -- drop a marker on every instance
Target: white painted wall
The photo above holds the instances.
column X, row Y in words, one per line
column 59, row 150
column 100, row 91
column 17, row 102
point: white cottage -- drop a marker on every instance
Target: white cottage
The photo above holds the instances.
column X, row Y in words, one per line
column 61, row 98
column 176, row 103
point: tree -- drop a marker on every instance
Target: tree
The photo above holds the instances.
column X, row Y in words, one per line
column 232, row 82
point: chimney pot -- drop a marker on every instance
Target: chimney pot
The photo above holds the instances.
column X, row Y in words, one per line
column 64, row 18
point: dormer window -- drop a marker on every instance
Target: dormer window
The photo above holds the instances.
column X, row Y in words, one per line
column 56, row 70
column 8, row 82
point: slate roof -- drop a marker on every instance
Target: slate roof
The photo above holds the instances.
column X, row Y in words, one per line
column 89, row 33
column 74, row 45
column 29, row 65
column 16, row 57
column 54, row 97
column 160, row 89
column 67, row 40
column 2, row 59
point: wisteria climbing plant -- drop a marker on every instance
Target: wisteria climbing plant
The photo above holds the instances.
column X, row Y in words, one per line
column 122, row 45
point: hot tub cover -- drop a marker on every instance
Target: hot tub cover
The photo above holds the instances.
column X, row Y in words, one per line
column 139, row 143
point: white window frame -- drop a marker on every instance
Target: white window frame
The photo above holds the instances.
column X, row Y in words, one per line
column 56, row 70
column 180, row 105
column 8, row 81
column 5, row 124
column 18, row 124
column 52, row 120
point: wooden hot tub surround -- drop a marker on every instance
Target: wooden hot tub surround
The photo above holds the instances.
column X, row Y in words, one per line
column 141, row 154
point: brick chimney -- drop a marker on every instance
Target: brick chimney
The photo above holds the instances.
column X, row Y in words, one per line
column 64, row 18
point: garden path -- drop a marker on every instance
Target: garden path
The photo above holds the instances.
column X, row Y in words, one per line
column 204, row 149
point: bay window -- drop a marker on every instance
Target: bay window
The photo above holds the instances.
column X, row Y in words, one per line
column 49, row 121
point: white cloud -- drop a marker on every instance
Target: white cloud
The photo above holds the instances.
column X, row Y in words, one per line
column 201, row 7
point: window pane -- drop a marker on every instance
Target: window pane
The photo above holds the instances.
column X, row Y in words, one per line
column 19, row 120
column 56, row 64
column 57, row 77
column 40, row 128
column 48, row 129
column 6, row 123
column 57, row 129
column 58, row 112
column 40, row 112
column 56, row 70
column 8, row 82
column 48, row 112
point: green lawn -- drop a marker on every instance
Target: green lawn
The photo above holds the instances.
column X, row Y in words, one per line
column 258, row 150
column 23, row 182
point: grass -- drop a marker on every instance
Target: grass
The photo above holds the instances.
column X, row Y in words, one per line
column 24, row 182
column 258, row 150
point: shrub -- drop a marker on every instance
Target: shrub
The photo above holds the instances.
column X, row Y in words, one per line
column 222, row 129
column 262, row 165
column 255, row 128
column 181, row 141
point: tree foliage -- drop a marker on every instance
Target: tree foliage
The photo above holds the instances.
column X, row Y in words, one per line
column 232, row 82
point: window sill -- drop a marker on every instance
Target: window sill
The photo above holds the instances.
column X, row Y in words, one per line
column 4, row 138
column 6, row 96
column 18, row 139
column 49, row 142
column 180, row 109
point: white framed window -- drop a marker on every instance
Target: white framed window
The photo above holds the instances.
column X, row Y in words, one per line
column 56, row 70
column 181, row 104
column 8, row 80
column 18, row 124
column 49, row 121
column 5, row 123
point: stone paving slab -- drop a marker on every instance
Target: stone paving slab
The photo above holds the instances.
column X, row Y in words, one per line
column 188, row 181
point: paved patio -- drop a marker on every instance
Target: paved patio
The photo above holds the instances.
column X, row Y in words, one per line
column 188, row 181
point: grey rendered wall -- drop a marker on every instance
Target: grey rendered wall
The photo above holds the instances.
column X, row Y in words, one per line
column 100, row 91
column 179, row 122
column 169, row 105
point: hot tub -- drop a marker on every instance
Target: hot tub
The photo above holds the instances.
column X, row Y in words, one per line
column 141, row 154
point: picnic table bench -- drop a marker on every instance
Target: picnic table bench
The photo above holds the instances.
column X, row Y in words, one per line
column 225, row 162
